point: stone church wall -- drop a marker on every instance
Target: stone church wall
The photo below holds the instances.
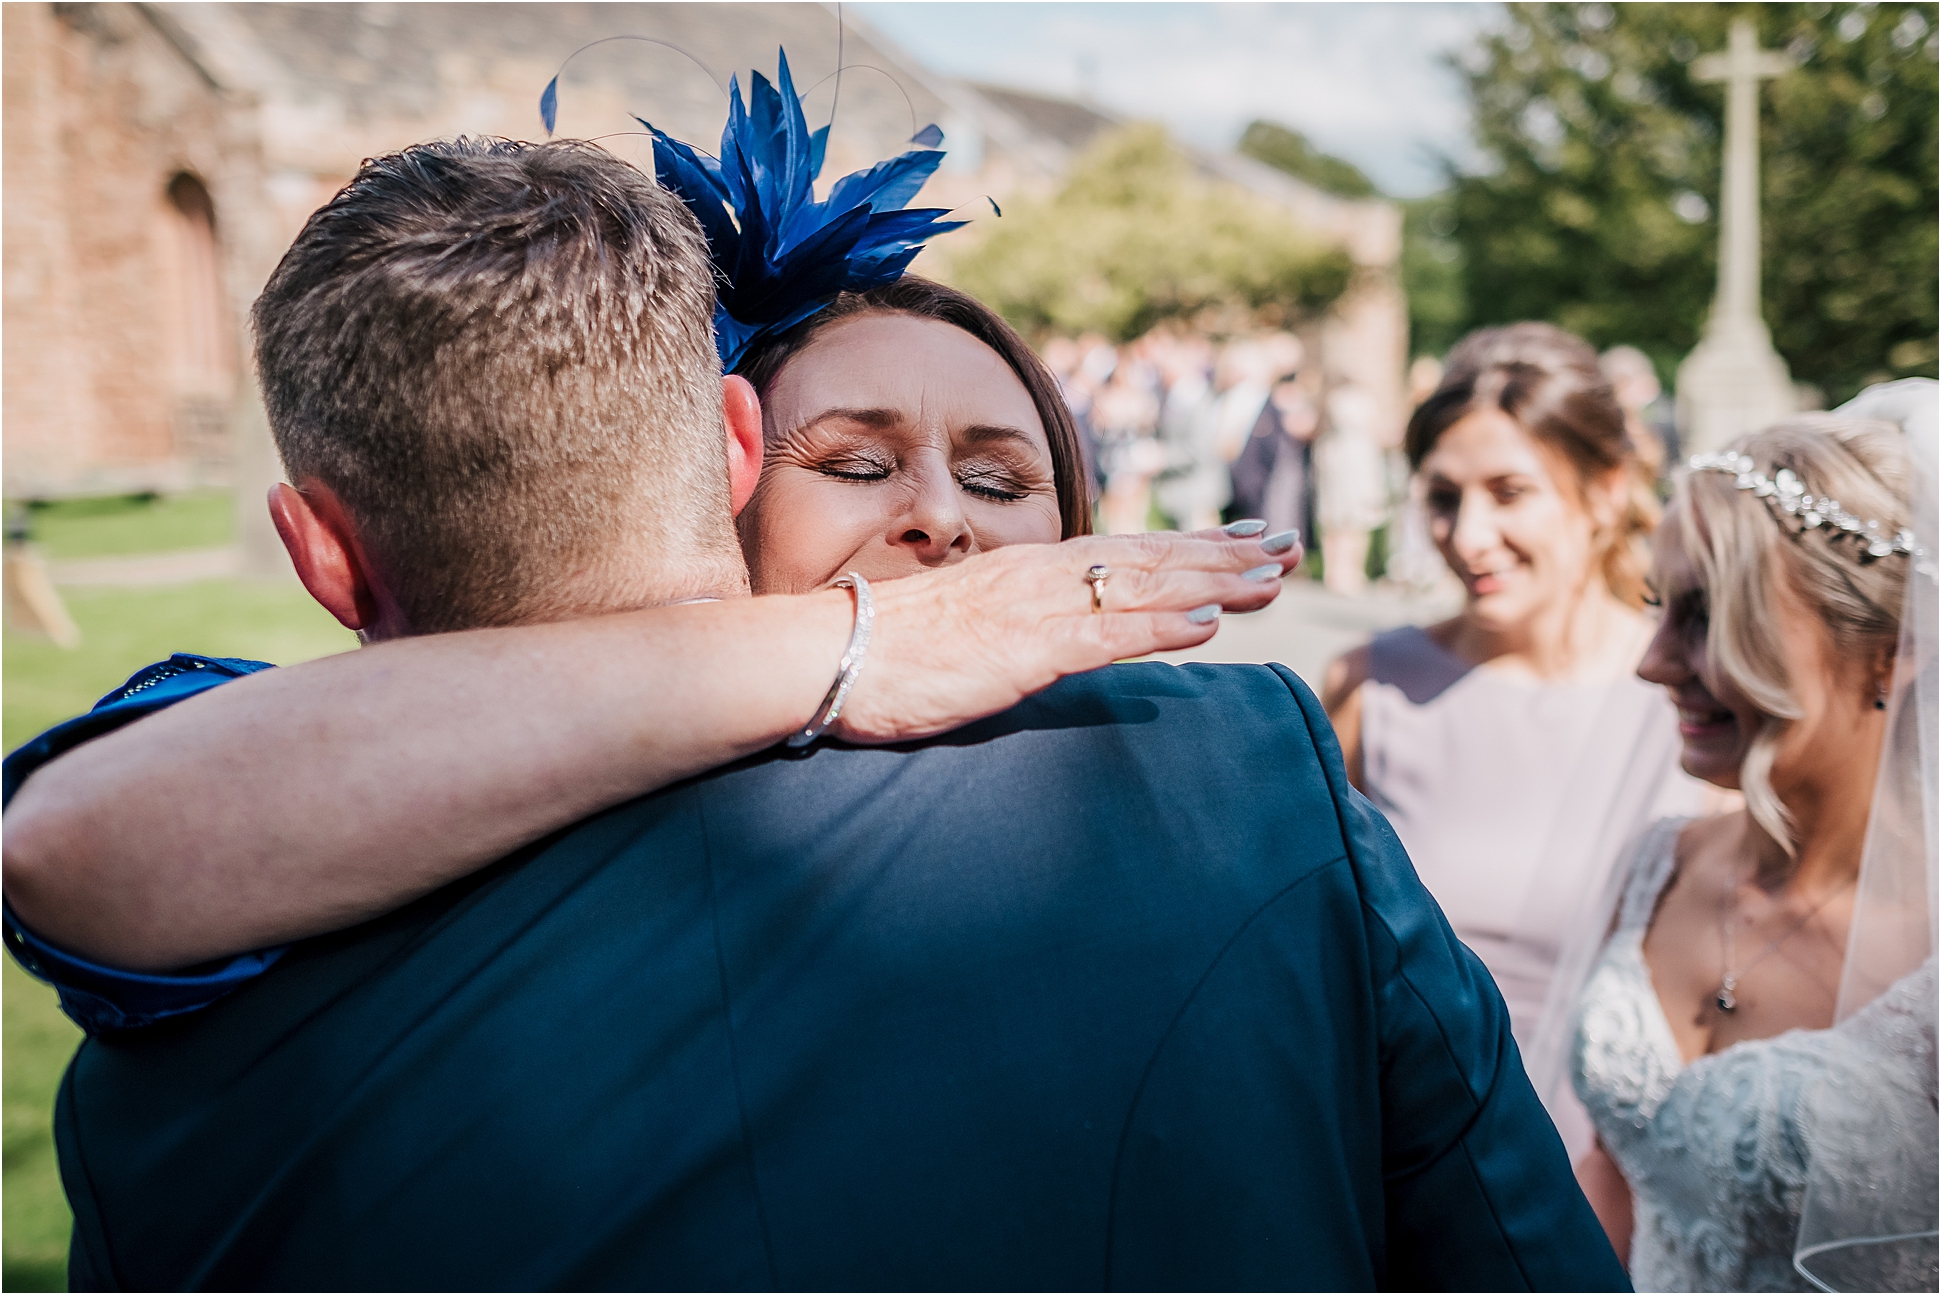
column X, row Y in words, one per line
column 124, row 179
column 125, row 356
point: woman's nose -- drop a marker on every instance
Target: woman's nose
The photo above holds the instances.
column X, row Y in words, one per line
column 1473, row 531
column 932, row 526
column 1665, row 661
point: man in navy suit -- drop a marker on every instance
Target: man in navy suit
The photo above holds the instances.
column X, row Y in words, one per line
column 1123, row 987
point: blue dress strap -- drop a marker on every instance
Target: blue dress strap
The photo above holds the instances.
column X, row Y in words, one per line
column 102, row 998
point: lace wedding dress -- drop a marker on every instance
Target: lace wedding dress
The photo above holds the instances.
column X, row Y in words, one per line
column 1716, row 1152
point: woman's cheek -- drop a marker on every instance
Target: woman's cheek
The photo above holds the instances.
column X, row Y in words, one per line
column 1545, row 532
column 808, row 528
column 1026, row 521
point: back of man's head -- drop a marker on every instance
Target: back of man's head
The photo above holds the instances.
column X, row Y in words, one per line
column 498, row 356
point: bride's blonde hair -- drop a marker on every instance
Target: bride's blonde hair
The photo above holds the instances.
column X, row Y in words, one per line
column 1739, row 545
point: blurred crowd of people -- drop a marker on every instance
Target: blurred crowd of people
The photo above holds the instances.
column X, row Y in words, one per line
column 1185, row 432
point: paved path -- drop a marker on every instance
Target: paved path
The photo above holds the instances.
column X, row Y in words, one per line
column 1307, row 627
column 173, row 568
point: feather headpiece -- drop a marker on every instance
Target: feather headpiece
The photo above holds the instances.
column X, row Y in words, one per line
column 779, row 255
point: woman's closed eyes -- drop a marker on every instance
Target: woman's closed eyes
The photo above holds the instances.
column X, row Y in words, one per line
column 895, row 444
column 868, row 446
column 1690, row 611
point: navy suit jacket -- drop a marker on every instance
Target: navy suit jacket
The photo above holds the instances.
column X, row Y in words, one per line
column 1122, row 988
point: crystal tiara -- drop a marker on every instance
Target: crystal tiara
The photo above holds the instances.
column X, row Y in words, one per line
column 1785, row 492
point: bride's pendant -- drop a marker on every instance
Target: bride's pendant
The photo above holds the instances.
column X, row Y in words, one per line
column 1725, row 998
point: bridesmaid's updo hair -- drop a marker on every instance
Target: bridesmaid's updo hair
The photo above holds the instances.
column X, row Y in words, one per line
column 1739, row 547
column 911, row 295
column 1550, row 383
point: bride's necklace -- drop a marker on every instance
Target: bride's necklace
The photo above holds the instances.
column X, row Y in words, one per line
column 1727, row 998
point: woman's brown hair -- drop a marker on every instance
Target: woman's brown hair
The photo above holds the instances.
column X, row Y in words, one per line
column 910, row 295
column 1549, row 382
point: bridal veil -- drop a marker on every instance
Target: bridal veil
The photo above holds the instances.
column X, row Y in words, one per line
column 1871, row 1225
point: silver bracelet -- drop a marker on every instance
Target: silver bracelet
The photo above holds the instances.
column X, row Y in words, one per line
column 852, row 662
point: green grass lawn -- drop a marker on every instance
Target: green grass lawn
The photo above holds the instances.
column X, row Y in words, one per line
column 96, row 528
column 125, row 629
column 122, row 630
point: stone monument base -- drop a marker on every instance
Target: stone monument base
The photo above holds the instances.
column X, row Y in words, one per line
column 1732, row 383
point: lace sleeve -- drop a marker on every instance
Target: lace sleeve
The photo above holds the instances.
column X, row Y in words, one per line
column 1867, row 1216
column 1899, row 1026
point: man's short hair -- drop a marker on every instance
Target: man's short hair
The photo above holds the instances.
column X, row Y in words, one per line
column 499, row 356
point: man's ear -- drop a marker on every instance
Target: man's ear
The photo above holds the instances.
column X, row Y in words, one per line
column 322, row 544
column 741, row 412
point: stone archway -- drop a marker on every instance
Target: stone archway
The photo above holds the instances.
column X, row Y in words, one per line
column 196, row 317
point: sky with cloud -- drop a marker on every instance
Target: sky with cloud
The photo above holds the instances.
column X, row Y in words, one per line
column 1367, row 82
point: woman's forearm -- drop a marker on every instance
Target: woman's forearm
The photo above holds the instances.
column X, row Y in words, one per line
column 305, row 799
column 301, row 800
column 1610, row 1197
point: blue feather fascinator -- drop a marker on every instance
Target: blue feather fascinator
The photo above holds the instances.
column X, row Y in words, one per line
column 779, row 255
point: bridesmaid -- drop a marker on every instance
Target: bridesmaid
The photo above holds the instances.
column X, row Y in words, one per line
column 1512, row 746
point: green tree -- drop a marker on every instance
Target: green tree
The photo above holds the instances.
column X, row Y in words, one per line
column 1136, row 236
column 1289, row 150
column 1595, row 205
column 1431, row 261
column 1432, row 275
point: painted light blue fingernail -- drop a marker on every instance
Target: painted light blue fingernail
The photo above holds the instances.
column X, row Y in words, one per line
column 1271, row 571
column 1240, row 530
column 1280, row 543
column 1201, row 615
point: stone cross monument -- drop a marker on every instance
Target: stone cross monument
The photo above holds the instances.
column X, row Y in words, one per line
column 1734, row 382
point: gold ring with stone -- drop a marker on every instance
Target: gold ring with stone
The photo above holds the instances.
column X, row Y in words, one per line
column 1098, row 575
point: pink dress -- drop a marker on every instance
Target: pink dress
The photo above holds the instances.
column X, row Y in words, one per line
column 1514, row 797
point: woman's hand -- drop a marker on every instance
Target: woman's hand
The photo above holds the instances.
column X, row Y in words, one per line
column 974, row 638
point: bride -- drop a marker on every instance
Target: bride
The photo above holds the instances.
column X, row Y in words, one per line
column 1755, row 1042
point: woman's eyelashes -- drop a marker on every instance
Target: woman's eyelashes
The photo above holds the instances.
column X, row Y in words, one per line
column 1445, row 501
column 993, row 482
column 1691, row 611
column 857, row 467
column 997, row 482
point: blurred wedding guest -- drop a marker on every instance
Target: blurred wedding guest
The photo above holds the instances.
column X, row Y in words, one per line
column 1195, row 485
column 1097, row 358
column 1125, row 416
column 1468, row 733
column 1647, row 413
column 1350, row 487
column 1243, row 377
column 1273, row 476
column 1062, row 356
column 1291, row 497
column 1756, row 1040
column 1413, row 562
